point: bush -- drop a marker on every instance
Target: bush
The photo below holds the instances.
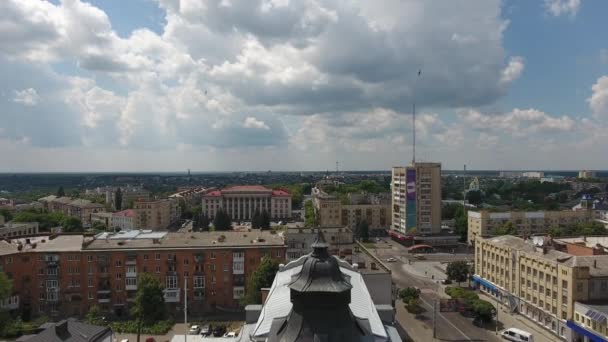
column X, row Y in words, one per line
column 409, row 293
column 461, row 293
column 130, row 327
column 413, row 306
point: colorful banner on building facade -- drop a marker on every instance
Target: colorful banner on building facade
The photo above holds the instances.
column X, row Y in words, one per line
column 410, row 179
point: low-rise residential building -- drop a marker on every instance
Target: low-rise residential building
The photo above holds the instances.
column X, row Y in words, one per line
column 155, row 214
column 65, row 275
column 241, row 202
column 481, row 223
column 80, row 208
column 123, row 219
column 17, row 229
column 129, row 194
column 299, row 240
column 374, row 209
column 532, row 278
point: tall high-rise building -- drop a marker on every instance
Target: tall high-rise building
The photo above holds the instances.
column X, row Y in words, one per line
column 416, row 198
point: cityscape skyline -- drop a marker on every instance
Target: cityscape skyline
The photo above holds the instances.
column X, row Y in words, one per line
column 273, row 85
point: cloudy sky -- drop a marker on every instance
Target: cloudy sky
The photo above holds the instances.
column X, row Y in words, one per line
column 165, row 85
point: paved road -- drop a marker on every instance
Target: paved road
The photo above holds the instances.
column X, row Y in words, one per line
column 450, row 326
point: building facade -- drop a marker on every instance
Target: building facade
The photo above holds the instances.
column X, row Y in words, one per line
column 241, row 202
column 80, row 208
column 534, row 279
column 67, row 274
column 587, row 174
column 123, row 219
column 16, row 229
column 481, row 223
column 155, row 214
column 299, row 240
column 374, row 209
column 191, row 196
column 416, row 198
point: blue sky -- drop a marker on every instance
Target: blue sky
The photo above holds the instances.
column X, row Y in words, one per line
column 212, row 85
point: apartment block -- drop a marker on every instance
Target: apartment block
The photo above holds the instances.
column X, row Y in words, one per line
column 481, row 223
column 67, row 274
column 155, row 214
column 80, row 208
column 531, row 277
column 241, row 202
column 416, row 198
column 16, row 229
column 374, row 209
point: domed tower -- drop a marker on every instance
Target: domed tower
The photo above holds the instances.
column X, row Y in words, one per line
column 320, row 294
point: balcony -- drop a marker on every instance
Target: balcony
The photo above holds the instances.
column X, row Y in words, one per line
column 131, row 287
column 171, row 295
column 131, row 260
column 104, row 287
column 131, row 273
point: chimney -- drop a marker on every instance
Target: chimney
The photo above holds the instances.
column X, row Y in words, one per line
column 61, row 329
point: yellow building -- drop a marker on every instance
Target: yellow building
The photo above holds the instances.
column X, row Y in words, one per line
column 156, row 214
column 481, row 223
column 416, row 198
column 375, row 210
column 544, row 285
column 80, row 208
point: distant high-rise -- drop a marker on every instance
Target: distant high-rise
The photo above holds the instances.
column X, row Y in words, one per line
column 416, row 198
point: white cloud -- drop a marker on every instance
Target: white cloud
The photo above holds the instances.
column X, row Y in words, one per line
column 599, row 98
column 487, row 141
column 27, row 97
column 251, row 122
column 562, row 7
column 513, row 70
column 518, row 122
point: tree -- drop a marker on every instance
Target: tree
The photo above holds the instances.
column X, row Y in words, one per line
column 6, row 289
column 149, row 304
column 256, row 219
column 94, row 316
column 118, row 199
column 262, row 277
column 458, row 271
column 196, row 217
column 7, row 214
column 409, row 293
column 474, row 197
column 60, row 192
column 97, row 226
column 310, row 217
column 264, row 220
column 484, row 310
column 204, row 222
column 363, row 230
column 71, row 224
column 222, row 221
column 506, row 229
column 556, row 231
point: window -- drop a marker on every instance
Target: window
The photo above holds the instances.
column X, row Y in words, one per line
column 199, row 282
column 145, row 256
column 90, row 282
column 186, row 261
column 89, row 258
column 131, row 269
column 118, row 263
column 90, row 269
column 52, row 284
column 118, row 287
column 157, row 269
column 213, row 279
column 131, row 281
column 51, row 271
column 171, row 282
column 564, row 284
column 225, row 267
column 212, row 267
column 212, row 255
column 90, row 295
column 279, row 253
column 118, row 276
column 157, row 256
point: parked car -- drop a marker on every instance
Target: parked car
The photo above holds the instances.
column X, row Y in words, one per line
column 150, row 339
column 219, row 331
column 391, row 260
column 230, row 334
column 194, row 330
column 206, row 330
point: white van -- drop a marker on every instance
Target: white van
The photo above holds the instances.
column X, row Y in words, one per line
column 517, row 335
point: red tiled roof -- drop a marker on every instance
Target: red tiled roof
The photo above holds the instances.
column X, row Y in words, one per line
column 215, row 193
column 280, row 193
column 127, row 213
column 246, row 188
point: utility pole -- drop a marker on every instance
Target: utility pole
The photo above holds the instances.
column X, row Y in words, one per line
column 434, row 320
column 497, row 309
column 186, row 308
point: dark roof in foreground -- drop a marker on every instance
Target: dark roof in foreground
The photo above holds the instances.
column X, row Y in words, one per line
column 71, row 331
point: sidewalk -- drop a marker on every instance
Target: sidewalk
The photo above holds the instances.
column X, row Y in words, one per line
column 518, row 321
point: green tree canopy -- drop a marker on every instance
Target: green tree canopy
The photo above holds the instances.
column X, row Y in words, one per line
column 60, row 192
column 483, row 310
column 458, row 271
column 262, row 277
column 204, row 222
column 118, row 199
column 149, row 304
column 264, row 220
column 474, row 197
column 506, row 229
column 222, row 221
column 7, row 214
column 71, row 224
column 362, row 230
column 409, row 293
column 94, row 316
column 256, row 222
column 310, row 217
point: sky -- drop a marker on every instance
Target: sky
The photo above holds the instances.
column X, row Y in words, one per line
column 247, row 85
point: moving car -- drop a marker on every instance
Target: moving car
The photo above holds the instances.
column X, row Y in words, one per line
column 194, row 330
column 517, row 335
column 230, row 334
column 391, row 260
